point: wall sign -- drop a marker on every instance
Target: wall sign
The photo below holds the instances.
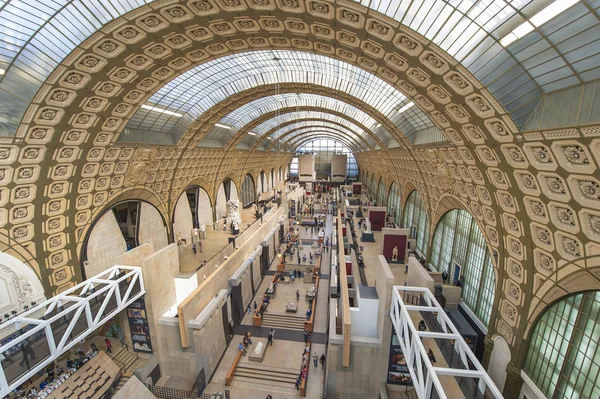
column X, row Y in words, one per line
column 397, row 369
column 138, row 325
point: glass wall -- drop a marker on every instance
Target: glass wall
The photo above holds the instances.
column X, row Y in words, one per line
column 415, row 219
column 248, row 194
column 324, row 150
column 459, row 248
column 563, row 357
column 380, row 193
column 394, row 203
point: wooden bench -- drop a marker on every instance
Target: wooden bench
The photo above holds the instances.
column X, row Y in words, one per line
column 231, row 372
column 311, row 321
column 304, row 382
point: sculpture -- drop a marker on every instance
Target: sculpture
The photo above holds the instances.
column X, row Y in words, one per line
column 291, row 307
column 233, row 215
column 202, row 227
column 395, row 253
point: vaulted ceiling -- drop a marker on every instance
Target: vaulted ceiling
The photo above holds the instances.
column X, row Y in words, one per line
column 103, row 101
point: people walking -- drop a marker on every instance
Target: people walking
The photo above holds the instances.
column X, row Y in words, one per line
column 241, row 348
column 255, row 306
column 297, row 295
column 306, row 335
column 108, row 345
column 322, row 360
column 248, row 309
column 200, row 246
column 298, row 382
column 270, row 337
column 194, row 248
column 315, row 358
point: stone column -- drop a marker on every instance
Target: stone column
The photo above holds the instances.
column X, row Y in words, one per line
column 514, row 381
column 488, row 347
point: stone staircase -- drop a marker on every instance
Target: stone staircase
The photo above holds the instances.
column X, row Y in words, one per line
column 127, row 360
column 272, row 376
column 289, row 322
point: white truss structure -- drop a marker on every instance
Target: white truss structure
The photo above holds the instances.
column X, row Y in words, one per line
column 423, row 373
column 115, row 284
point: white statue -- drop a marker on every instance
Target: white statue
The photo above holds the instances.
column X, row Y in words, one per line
column 233, row 214
column 367, row 225
column 395, row 253
column 202, row 227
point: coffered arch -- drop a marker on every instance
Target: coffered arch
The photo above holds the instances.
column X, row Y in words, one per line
column 315, row 126
column 78, row 113
column 304, row 138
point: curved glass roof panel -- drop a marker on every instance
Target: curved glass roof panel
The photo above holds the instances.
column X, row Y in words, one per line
column 548, row 55
column 286, row 142
column 253, row 110
column 200, row 88
column 293, row 116
column 299, row 127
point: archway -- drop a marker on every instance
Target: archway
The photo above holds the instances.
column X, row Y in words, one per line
column 460, row 249
column 564, row 348
column 248, row 193
column 227, row 191
column 118, row 229
column 394, row 203
column 193, row 209
column 415, row 219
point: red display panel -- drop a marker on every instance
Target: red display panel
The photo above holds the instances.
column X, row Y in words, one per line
column 377, row 219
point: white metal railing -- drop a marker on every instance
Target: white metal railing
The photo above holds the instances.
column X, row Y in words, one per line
column 63, row 321
column 423, row 373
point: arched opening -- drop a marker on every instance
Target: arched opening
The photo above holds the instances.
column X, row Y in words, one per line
column 280, row 174
column 248, row 193
column 380, row 192
column 262, row 182
column 459, row 248
column 192, row 210
column 118, row 229
column 227, row 191
column 415, row 219
column 272, row 182
column 563, row 356
column 394, row 204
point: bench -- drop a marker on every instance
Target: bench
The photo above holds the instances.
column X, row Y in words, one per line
column 231, row 372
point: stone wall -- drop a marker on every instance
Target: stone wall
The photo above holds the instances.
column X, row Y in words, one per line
column 209, row 343
column 360, row 380
column 152, row 228
column 256, row 272
column 183, row 219
column 105, row 243
column 158, row 271
column 205, row 210
column 246, row 288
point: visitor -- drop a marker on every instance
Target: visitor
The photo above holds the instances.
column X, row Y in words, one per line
column 315, row 359
column 431, row 356
column 248, row 310
column 270, row 337
column 297, row 295
column 308, row 313
column 241, row 348
column 422, row 325
column 200, row 246
column 298, row 382
column 194, row 248
column 255, row 306
column 94, row 348
column 322, row 360
column 306, row 335
column 108, row 345
column 444, row 276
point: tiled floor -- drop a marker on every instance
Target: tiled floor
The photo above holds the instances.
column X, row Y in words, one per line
column 286, row 352
column 215, row 241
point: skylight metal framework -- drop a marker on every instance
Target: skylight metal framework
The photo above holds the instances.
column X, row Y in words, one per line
column 63, row 321
column 36, row 36
column 423, row 373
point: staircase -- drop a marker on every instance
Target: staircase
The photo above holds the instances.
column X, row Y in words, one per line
column 272, row 376
column 129, row 362
column 283, row 321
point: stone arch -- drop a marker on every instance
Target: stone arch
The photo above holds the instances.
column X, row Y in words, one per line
column 103, row 240
column 557, row 288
